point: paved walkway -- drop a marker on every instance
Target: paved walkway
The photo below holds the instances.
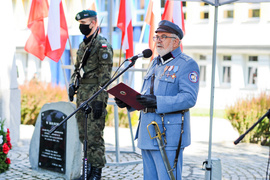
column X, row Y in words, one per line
column 244, row 161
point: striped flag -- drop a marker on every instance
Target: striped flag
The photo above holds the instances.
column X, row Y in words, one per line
column 57, row 31
column 36, row 42
column 125, row 24
column 92, row 5
column 173, row 11
column 153, row 18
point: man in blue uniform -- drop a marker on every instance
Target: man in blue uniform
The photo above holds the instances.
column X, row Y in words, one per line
column 169, row 89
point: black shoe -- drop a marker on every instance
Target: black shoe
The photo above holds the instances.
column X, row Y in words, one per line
column 95, row 173
column 88, row 173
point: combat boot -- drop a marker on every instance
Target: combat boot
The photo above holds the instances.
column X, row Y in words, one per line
column 95, row 173
column 88, row 173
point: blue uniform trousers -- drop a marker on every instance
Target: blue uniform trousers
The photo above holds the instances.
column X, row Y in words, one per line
column 154, row 168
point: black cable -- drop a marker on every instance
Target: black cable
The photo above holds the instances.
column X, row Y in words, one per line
column 118, row 68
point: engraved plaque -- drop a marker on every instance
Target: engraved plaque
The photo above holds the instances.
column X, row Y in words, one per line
column 52, row 148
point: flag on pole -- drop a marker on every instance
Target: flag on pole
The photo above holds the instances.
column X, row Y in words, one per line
column 92, row 5
column 171, row 13
column 125, row 24
column 57, row 31
column 36, row 42
column 153, row 17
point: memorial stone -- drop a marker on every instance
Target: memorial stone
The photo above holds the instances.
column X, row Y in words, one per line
column 61, row 151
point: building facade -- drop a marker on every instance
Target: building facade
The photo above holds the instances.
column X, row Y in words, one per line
column 243, row 45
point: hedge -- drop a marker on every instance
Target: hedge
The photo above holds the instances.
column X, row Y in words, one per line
column 245, row 112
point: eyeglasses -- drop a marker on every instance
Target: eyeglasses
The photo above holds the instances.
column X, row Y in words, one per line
column 161, row 38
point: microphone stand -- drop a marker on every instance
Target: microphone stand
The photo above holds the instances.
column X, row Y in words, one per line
column 267, row 114
column 85, row 107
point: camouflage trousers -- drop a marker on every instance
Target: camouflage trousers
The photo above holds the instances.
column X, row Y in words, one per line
column 95, row 141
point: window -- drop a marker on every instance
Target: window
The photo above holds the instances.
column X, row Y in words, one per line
column 139, row 11
column 228, row 14
column 162, row 3
column 184, row 9
column 226, row 74
column 226, row 69
column 202, row 57
column 204, row 4
column 103, row 5
column 204, row 11
column 252, row 70
column 252, row 75
column 202, row 73
column 227, row 58
column 253, row 58
column 204, row 15
column 202, row 65
column 254, row 11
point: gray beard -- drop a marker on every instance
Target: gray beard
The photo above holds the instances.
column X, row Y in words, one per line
column 162, row 51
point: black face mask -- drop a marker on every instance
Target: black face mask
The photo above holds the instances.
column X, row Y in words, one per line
column 84, row 28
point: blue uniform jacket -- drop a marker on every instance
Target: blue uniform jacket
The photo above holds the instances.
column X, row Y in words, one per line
column 176, row 87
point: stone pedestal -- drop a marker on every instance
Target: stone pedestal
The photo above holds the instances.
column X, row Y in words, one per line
column 73, row 152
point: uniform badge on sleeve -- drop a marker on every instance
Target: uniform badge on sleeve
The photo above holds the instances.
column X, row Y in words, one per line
column 105, row 56
column 193, row 77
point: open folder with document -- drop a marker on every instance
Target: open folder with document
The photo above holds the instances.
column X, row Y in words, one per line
column 126, row 94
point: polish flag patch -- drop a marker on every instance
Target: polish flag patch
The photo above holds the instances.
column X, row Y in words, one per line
column 104, row 45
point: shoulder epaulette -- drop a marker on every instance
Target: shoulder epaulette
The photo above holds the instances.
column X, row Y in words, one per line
column 185, row 57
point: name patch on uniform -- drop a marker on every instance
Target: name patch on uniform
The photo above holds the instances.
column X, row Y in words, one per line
column 193, row 77
column 105, row 56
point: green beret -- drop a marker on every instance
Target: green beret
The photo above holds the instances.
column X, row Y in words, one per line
column 85, row 14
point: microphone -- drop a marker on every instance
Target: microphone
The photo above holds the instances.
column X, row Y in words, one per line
column 146, row 54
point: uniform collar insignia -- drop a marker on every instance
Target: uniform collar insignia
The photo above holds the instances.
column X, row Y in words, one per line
column 166, row 58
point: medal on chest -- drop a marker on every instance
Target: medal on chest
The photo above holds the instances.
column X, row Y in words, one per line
column 165, row 69
column 169, row 70
column 174, row 71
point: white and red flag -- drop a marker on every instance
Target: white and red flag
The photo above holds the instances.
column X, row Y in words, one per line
column 57, row 33
column 36, row 42
column 153, row 17
column 125, row 24
column 92, row 5
column 173, row 11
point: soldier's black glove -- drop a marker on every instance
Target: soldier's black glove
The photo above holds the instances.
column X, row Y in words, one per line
column 97, row 109
column 149, row 101
column 121, row 104
column 71, row 91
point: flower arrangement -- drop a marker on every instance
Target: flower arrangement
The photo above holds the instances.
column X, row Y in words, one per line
column 5, row 146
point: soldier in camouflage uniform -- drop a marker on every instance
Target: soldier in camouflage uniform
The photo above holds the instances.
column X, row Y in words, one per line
column 96, row 72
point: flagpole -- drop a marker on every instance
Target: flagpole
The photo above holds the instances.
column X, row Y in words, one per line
column 70, row 51
column 120, row 56
column 142, row 33
column 64, row 72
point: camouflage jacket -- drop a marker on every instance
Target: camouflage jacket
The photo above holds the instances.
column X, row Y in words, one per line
column 97, row 69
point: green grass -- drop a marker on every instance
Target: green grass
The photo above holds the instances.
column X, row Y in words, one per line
column 218, row 113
